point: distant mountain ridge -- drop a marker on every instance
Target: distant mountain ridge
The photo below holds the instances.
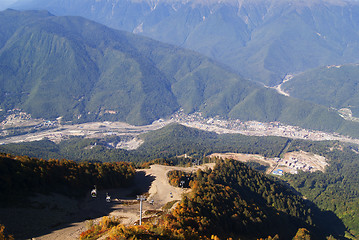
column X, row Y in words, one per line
column 82, row 71
column 261, row 39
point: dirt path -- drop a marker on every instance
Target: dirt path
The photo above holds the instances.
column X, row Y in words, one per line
column 152, row 182
column 161, row 191
column 278, row 88
column 69, row 233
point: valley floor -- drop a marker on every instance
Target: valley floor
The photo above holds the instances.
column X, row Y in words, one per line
column 42, row 129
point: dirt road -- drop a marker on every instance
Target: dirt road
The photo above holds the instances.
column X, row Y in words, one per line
column 152, row 182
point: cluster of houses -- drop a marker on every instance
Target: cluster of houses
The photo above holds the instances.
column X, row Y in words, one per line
column 250, row 127
column 293, row 165
column 15, row 115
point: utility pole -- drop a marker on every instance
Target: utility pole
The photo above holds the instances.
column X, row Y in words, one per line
column 141, row 198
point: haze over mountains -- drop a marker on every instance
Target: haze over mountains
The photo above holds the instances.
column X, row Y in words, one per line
column 262, row 39
column 83, row 71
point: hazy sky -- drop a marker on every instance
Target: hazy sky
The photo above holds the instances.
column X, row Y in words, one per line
column 6, row 3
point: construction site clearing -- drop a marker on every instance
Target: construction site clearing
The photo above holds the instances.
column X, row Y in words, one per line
column 292, row 162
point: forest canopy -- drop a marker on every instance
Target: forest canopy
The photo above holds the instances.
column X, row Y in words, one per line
column 21, row 175
column 230, row 200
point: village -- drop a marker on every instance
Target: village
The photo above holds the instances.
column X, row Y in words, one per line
column 19, row 126
column 254, row 128
column 17, row 123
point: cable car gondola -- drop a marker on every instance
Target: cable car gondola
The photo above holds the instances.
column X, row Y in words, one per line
column 108, row 198
column 94, row 192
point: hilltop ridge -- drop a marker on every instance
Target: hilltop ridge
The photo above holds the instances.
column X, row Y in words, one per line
column 76, row 70
column 263, row 40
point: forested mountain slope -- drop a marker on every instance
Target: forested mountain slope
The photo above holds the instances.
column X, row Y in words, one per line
column 23, row 176
column 231, row 201
column 331, row 86
column 262, row 39
column 335, row 190
column 39, row 196
column 79, row 70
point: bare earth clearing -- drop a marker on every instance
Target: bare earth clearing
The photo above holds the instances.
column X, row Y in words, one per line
column 89, row 130
column 290, row 163
column 59, row 217
column 27, row 129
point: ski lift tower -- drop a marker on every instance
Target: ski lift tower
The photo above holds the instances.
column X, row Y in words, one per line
column 141, row 198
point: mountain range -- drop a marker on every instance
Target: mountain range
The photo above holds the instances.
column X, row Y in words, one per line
column 80, row 70
column 262, row 39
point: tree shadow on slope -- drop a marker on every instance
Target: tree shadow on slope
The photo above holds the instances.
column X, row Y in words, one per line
column 42, row 214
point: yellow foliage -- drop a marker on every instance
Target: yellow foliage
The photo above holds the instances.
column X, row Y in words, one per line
column 214, row 237
column 302, row 234
column 3, row 236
